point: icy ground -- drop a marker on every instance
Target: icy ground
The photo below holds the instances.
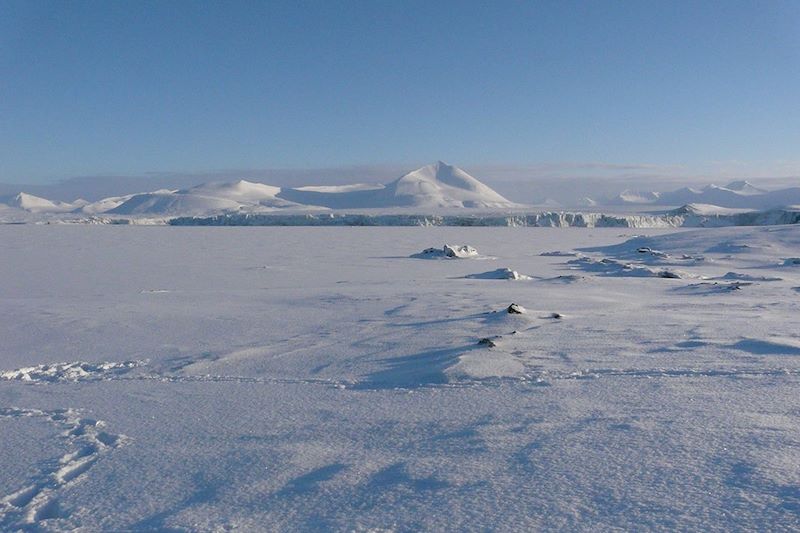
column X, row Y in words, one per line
column 170, row 378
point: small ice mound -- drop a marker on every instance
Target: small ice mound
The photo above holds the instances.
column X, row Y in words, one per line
column 747, row 277
column 694, row 258
column 769, row 346
column 713, row 287
column 566, row 278
column 500, row 273
column 483, row 364
column 729, row 247
column 559, row 253
column 612, row 267
column 791, row 261
column 75, row 371
column 655, row 253
column 447, row 252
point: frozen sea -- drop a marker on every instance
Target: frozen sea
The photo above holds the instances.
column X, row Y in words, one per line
column 302, row 378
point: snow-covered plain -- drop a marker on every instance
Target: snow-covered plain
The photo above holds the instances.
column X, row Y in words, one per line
column 315, row 378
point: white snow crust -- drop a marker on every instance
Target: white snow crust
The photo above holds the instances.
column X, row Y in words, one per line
column 224, row 378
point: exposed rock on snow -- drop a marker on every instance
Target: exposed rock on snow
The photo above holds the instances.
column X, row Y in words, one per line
column 491, row 342
column 516, row 309
column 447, row 251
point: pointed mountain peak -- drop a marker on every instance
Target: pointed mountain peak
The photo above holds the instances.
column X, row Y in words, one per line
column 443, row 185
column 36, row 204
column 744, row 186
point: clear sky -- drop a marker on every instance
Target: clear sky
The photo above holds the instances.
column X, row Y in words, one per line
column 130, row 87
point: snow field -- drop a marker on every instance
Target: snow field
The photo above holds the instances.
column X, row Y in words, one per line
column 321, row 378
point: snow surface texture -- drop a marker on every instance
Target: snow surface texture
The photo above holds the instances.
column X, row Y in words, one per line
column 202, row 379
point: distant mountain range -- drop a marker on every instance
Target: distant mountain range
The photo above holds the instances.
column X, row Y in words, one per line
column 736, row 195
column 433, row 186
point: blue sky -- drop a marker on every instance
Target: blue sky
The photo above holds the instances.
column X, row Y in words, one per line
column 129, row 88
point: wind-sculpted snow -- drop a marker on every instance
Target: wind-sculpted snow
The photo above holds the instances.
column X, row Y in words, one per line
column 76, row 371
column 612, row 267
column 500, row 273
column 311, row 378
column 747, row 277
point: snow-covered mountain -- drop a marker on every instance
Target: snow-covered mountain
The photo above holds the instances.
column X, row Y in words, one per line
column 215, row 197
column 442, row 185
column 433, row 186
column 35, row 204
column 745, row 187
column 736, row 195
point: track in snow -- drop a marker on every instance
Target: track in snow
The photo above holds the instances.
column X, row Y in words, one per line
column 38, row 501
